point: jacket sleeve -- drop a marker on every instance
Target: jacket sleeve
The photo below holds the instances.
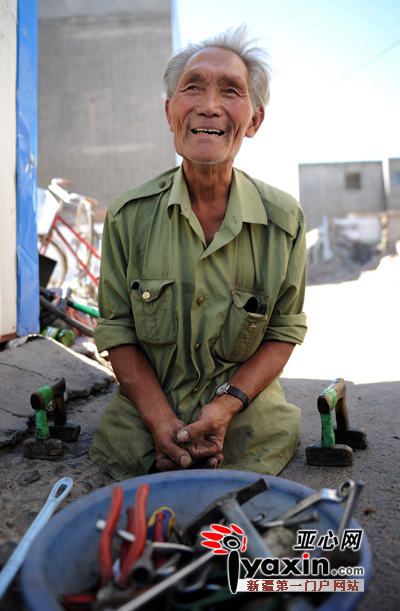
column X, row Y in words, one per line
column 115, row 324
column 288, row 322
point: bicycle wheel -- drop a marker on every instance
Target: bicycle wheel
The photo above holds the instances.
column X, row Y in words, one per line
column 56, row 252
column 84, row 226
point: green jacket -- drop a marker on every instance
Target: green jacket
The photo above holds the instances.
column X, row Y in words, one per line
column 198, row 311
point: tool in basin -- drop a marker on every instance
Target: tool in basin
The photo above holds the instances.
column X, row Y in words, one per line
column 105, row 558
column 337, row 442
column 166, row 584
column 288, row 523
column 140, row 529
column 326, row 494
column 213, row 512
column 10, row 569
column 162, row 546
column 348, row 511
column 339, row 556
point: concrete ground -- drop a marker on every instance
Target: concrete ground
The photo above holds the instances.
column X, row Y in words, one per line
column 354, row 333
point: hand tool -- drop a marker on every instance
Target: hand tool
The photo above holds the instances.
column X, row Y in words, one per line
column 159, row 546
column 143, row 570
column 212, row 513
column 337, row 443
column 326, row 494
column 68, row 319
column 105, row 558
column 234, row 514
column 47, row 444
column 83, row 308
column 159, row 528
column 197, row 584
column 86, row 600
column 167, row 583
column 140, row 529
column 167, row 523
column 169, row 566
column 256, row 546
column 130, row 526
column 10, row 569
column 79, row 602
column 352, row 499
column 289, row 523
column 346, row 557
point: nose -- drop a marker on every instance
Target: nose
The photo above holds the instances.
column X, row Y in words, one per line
column 210, row 103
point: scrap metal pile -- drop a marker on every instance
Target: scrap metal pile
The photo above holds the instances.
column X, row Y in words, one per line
column 164, row 565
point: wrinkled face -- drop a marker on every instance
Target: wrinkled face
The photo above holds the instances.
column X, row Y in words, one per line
column 210, row 113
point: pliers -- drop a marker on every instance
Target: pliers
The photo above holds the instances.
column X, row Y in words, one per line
column 85, row 600
column 106, row 537
column 139, row 530
column 137, row 515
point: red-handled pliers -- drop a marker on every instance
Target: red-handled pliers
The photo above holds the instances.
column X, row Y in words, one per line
column 85, row 600
column 105, row 544
column 140, row 530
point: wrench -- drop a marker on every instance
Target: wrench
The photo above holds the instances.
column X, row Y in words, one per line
column 326, row 494
column 14, row 562
column 288, row 523
column 352, row 499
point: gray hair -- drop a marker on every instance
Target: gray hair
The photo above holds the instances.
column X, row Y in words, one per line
column 253, row 57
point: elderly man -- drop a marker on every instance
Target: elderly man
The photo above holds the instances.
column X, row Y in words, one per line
column 202, row 286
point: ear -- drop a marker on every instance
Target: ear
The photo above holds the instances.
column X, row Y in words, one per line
column 168, row 113
column 256, row 121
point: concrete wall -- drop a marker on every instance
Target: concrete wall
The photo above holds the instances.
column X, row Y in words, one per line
column 8, row 225
column 101, row 120
column 325, row 190
column 394, row 184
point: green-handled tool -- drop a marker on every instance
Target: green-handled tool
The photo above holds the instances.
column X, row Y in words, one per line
column 83, row 308
column 48, row 442
column 337, row 442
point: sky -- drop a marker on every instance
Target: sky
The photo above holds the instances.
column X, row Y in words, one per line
column 335, row 89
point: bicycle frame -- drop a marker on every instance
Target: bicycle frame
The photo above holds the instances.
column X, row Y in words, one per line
column 43, row 247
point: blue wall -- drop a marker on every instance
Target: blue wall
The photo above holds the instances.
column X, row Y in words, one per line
column 27, row 251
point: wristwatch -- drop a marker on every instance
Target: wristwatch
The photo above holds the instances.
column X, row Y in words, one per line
column 227, row 389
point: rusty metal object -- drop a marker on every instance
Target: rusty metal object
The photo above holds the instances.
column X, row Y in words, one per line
column 213, row 512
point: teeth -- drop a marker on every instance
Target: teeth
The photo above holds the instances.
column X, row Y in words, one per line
column 208, row 131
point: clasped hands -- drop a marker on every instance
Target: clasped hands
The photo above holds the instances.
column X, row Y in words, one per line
column 179, row 446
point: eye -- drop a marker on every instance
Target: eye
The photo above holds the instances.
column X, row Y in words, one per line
column 230, row 91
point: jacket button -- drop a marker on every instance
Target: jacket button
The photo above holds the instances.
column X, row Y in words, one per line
column 200, row 300
column 197, row 346
column 146, row 295
column 161, row 184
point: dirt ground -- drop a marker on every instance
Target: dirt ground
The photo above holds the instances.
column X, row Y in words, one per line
column 373, row 404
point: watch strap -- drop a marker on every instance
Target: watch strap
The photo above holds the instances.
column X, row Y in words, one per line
column 239, row 394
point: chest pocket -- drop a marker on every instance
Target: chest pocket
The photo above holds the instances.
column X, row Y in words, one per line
column 244, row 327
column 154, row 311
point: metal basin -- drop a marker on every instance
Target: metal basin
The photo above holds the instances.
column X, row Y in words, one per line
column 63, row 558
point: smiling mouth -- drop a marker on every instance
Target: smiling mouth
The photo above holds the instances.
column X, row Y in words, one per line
column 209, row 132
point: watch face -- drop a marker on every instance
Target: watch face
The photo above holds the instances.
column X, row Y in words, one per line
column 221, row 389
